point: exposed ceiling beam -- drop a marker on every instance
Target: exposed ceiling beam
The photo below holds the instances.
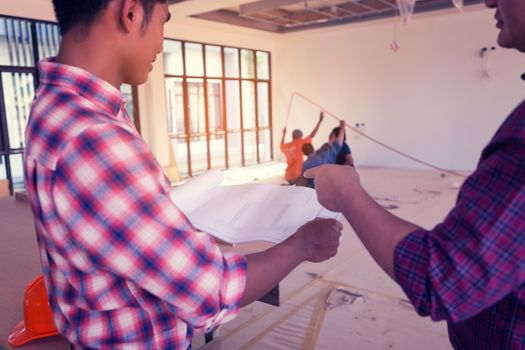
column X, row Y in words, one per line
column 265, row 5
column 269, row 24
column 229, row 17
column 197, row 7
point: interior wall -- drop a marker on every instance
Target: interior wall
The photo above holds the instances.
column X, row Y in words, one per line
column 431, row 99
column 33, row 9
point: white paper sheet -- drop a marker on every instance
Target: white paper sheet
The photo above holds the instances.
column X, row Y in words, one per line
column 248, row 212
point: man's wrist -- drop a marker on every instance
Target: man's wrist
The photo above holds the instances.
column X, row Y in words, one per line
column 349, row 196
column 295, row 248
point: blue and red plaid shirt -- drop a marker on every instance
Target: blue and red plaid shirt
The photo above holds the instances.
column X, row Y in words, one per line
column 470, row 269
column 123, row 266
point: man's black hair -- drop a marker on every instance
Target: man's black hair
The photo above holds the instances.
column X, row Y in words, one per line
column 307, row 149
column 335, row 132
column 70, row 13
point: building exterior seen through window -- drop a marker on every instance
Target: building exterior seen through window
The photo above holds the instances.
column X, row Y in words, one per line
column 22, row 44
column 219, row 106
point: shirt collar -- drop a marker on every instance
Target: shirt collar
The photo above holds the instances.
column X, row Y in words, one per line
column 99, row 91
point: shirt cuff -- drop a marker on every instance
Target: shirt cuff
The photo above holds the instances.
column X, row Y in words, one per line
column 232, row 288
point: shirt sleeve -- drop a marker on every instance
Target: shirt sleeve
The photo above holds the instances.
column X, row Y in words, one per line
column 475, row 257
column 332, row 153
column 110, row 196
column 345, row 150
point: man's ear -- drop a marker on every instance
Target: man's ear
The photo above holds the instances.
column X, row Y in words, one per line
column 128, row 15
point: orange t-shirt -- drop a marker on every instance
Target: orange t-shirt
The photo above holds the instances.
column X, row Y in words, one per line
column 294, row 157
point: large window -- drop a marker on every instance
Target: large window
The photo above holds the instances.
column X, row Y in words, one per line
column 218, row 101
column 22, row 44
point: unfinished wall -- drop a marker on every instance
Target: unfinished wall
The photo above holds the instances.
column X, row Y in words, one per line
column 430, row 99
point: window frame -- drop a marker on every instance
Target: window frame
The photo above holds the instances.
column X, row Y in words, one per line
column 187, row 135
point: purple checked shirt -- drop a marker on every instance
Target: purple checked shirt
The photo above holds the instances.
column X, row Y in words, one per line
column 470, row 269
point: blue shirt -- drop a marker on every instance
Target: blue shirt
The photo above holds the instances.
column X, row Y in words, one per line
column 341, row 156
column 324, row 155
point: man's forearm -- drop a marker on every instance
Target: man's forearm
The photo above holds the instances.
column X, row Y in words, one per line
column 266, row 269
column 378, row 229
column 314, row 131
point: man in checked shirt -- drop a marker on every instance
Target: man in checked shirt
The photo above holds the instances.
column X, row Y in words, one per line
column 470, row 269
column 124, row 268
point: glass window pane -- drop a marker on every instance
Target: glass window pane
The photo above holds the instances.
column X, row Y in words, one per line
column 234, row 150
column 18, row 95
column 48, row 37
column 217, row 152
column 213, row 61
column 199, row 155
column 250, row 148
column 17, row 171
column 194, row 61
column 265, row 146
column 263, row 105
column 196, row 105
column 215, row 115
column 231, row 62
column 173, row 57
column 175, row 106
column 180, row 150
column 233, row 105
column 127, row 90
column 15, row 43
column 247, row 64
column 248, row 104
column 263, row 65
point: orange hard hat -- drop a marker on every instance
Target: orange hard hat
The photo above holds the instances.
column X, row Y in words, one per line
column 38, row 320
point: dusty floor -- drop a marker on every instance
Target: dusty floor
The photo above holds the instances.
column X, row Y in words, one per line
column 349, row 302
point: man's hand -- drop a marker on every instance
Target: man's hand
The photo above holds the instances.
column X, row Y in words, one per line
column 332, row 183
column 342, row 123
column 317, row 240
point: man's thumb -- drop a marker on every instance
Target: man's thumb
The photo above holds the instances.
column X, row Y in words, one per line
column 310, row 173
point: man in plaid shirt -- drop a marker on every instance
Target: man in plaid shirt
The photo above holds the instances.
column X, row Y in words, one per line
column 124, row 268
column 470, row 269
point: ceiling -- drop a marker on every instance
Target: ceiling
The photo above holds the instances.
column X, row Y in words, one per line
column 283, row 16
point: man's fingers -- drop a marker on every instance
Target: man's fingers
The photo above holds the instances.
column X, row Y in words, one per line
column 310, row 173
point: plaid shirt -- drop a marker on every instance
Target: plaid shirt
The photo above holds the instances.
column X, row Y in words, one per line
column 123, row 266
column 470, row 269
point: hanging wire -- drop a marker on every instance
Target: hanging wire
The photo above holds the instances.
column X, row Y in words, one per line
column 324, row 110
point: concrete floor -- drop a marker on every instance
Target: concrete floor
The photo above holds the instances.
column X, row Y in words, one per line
column 348, row 302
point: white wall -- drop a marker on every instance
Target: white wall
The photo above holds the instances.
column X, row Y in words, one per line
column 34, row 9
column 430, row 99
